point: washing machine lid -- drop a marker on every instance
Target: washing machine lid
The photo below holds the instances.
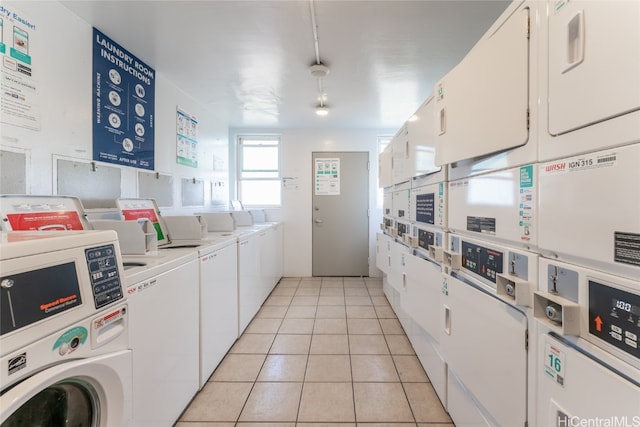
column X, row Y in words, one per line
column 135, row 209
column 43, row 213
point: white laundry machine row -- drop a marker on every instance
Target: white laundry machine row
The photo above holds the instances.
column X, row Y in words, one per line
column 588, row 367
column 64, row 339
column 488, row 339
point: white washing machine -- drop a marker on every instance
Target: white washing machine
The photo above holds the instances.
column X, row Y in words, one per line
column 420, row 297
column 64, row 320
column 488, row 331
column 163, row 296
column 588, row 368
column 218, row 298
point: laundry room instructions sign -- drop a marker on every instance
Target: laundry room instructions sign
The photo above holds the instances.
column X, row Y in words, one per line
column 123, row 105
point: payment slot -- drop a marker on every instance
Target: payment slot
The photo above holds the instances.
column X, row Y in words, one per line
column 589, row 211
column 582, row 53
column 498, row 71
column 576, row 368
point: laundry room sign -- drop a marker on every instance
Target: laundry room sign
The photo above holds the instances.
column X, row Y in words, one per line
column 123, row 105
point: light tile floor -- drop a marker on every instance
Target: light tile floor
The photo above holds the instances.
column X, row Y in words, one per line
column 320, row 351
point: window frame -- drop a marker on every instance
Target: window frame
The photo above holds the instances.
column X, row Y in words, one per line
column 241, row 142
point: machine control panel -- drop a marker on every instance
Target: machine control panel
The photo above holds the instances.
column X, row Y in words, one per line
column 485, row 262
column 614, row 317
column 105, row 279
column 426, row 239
column 403, row 228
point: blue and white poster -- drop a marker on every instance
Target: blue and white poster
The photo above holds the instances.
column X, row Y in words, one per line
column 123, row 105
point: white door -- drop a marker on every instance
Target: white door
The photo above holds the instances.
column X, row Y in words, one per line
column 340, row 214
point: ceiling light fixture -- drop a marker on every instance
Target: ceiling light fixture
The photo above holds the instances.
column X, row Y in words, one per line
column 322, row 110
column 318, row 69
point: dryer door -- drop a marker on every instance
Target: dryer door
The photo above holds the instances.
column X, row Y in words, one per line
column 87, row 392
column 587, row 51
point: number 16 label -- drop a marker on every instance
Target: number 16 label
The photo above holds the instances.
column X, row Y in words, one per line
column 554, row 363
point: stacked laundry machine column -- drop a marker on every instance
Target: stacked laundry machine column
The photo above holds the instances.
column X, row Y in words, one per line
column 410, row 250
column 491, row 260
column 588, row 301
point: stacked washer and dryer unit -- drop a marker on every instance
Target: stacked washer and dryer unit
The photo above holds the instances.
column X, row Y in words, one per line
column 409, row 250
column 539, row 309
column 588, row 301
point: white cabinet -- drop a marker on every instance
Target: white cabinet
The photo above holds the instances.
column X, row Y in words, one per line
column 218, row 307
column 482, row 105
column 593, row 88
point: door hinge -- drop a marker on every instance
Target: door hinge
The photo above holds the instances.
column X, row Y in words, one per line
column 369, row 166
column 528, row 28
column 528, row 118
column 369, row 213
column 526, row 340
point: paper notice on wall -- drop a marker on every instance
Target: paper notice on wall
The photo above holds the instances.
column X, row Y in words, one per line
column 20, row 99
column 327, row 177
column 186, row 139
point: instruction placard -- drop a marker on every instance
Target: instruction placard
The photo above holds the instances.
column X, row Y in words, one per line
column 20, row 99
column 123, row 105
column 327, row 177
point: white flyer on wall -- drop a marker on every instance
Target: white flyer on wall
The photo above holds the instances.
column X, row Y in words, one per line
column 327, row 177
column 20, row 99
column 186, row 139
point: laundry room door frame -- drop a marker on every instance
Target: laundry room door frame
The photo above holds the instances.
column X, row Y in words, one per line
column 340, row 214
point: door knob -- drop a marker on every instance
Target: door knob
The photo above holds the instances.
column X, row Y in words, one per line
column 319, row 221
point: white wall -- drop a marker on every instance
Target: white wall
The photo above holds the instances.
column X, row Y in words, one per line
column 297, row 147
column 61, row 49
column 62, row 61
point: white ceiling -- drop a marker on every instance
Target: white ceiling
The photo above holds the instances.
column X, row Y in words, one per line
column 247, row 61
